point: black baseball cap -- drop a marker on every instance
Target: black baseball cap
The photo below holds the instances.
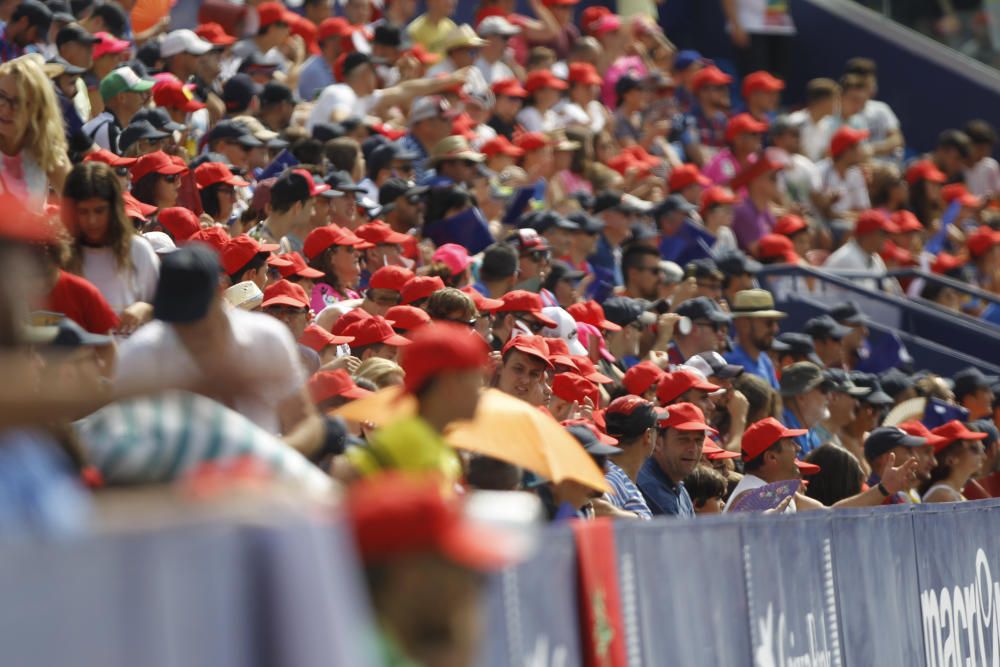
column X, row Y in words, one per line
column 74, row 33
column 586, row 223
column 383, row 156
column 735, row 263
column 895, row 382
column 877, row 397
column 137, row 130
column 389, row 35
column 560, row 270
column 969, row 380
column 716, row 365
column 626, row 83
column 641, row 231
column 341, row 181
column 394, row 188
column 67, row 67
column 60, row 11
column 886, row 438
column 628, row 417
column 606, row 200
column 189, row 281
column 623, row 311
column 590, row 441
column 38, row 15
column 825, row 327
column 274, row 92
column 324, row 132
column 796, row 344
column 543, row 221
column 233, row 131
column 238, row 92
column 838, row 380
column 847, row 313
column 703, row 267
column 674, row 203
column 702, row 308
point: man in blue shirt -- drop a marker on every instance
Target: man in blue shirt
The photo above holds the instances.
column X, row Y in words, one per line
column 756, row 324
column 617, row 215
column 680, row 436
column 681, row 240
column 630, row 419
column 805, row 392
column 317, row 71
column 28, row 25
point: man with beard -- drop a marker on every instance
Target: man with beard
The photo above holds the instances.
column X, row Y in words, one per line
column 843, row 404
column 708, row 330
column 756, row 323
column 524, row 362
column 641, row 270
column 680, row 436
column 909, row 441
column 806, row 396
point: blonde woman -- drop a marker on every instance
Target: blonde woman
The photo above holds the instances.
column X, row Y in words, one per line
column 33, row 155
column 382, row 372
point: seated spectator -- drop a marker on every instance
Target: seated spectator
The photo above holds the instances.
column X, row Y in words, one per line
column 842, row 192
column 707, row 332
column 974, row 392
column 959, row 458
column 952, row 154
column 848, row 314
column 521, row 373
column 632, row 421
column 885, row 139
column 791, row 348
column 755, row 322
column 804, row 392
column 816, row 120
column 753, row 217
column 983, row 176
column 840, row 475
column 744, row 138
column 842, row 402
column 827, row 336
column 860, row 253
column 642, row 379
column 708, row 490
column 709, row 116
column 374, row 337
column 762, row 95
column 380, row 372
column 686, row 386
column 679, row 440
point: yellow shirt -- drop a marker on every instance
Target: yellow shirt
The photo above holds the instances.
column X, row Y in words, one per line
column 424, row 31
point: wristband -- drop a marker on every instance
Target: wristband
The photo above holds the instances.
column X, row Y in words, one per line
column 884, row 491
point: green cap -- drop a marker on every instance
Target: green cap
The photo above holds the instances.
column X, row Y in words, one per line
column 123, row 80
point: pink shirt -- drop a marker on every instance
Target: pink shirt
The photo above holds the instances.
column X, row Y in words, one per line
column 621, row 66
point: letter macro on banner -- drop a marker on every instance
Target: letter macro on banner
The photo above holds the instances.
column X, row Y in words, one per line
column 958, row 549
column 788, row 569
column 602, row 630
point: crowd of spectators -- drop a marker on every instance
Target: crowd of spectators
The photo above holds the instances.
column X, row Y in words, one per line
column 223, row 243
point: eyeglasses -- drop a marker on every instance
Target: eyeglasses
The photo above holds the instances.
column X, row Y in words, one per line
column 13, row 102
column 469, row 323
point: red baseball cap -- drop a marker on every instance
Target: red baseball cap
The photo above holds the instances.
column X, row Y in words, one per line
column 709, row 76
column 180, row 222
column 441, row 347
column 761, row 82
column 335, row 26
column 892, row 253
column 484, row 304
column 509, row 88
column 324, row 385
column 138, row 209
column 543, row 78
column 685, row 175
column 589, row 370
column 844, row 138
column 873, row 220
column 174, row 94
column 501, row 145
column 109, row 158
column 531, row 141
column 372, row 330
column 952, row 431
column 684, row 417
column 592, row 313
column 274, row 12
column 239, row 250
column 327, row 236
column 906, row 222
column 454, row 256
column 953, row 191
column 716, row 196
column 378, row 232
column 314, row 188
column 407, row 318
column 572, row 387
column 533, row 346
column 674, row 384
column 215, row 237
column 641, row 377
column 295, row 265
column 763, row 434
column 981, row 240
column 584, row 73
column 420, row 287
column 109, row 44
column 744, row 123
column 777, row 246
column 946, row 262
column 285, row 293
column 347, row 319
column 390, row 278
column 918, row 429
column 156, row 162
column 395, row 514
column 924, row 170
column 523, row 301
column 763, row 166
column 210, row 173
column 422, row 55
column 788, row 225
column 317, row 338
column 214, row 33
column 713, row 452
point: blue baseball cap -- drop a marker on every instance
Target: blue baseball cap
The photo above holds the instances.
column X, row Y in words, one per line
column 685, row 59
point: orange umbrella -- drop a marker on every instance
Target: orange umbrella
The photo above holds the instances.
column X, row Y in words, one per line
column 511, row 430
column 147, row 13
column 504, row 427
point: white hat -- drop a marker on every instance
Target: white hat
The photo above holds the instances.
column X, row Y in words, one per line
column 497, row 25
column 245, row 295
column 184, row 41
column 162, row 243
column 565, row 328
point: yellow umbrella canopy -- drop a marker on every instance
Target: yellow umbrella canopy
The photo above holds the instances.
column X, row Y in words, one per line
column 511, row 430
column 504, row 427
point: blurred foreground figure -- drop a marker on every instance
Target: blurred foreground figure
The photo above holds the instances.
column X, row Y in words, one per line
column 424, row 558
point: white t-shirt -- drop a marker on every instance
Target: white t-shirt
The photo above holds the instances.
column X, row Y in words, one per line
column 983, row 179
column 767, row 17
column 535, row 121
column 850, row 257
column 879, row 119
column 815, row 136
column 852, row 187
column 260, row 344
column 340, row 99
column 123, row 288
column 799, row 179
column 493, row 72
column 591, row 117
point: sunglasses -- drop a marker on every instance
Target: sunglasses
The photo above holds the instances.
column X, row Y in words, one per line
column 539, row 256
column 469, row 323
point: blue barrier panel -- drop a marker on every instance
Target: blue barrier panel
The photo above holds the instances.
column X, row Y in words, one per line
column 957, row 547
column 539, row 608
column 875, row 576
column 682, row 592
column 788, row 568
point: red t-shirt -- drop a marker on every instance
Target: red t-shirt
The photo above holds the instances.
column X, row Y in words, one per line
column 79, row 300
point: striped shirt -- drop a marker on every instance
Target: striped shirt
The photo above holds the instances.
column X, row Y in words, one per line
column 625, row 495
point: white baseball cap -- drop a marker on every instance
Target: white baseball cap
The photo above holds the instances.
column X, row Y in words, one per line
column 245, row 295
column 565, row 328
column 184, row 41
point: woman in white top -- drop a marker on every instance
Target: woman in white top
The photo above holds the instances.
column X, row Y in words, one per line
column 957, row 462
column 106, row 250
column 32, row 140
column 539, row 113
